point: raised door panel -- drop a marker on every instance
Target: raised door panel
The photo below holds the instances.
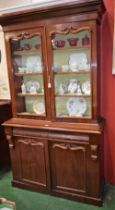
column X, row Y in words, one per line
column 32, row 161
column 68, row 167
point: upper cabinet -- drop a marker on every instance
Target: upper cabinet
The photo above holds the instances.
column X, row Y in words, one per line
column 54, row 67
column 52, row 72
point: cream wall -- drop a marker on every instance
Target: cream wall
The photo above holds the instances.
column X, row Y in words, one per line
column 4, row 84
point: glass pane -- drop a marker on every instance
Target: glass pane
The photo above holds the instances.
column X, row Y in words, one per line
column 73, row 107
column 72, row 74
column 28, row 75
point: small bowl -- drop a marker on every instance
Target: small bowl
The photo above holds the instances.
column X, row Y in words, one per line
column 74, row 67
column 59, row 43
column 21, row 69
column 37, row 46
column 73, row 41
column 65, row 68
column 26, row 47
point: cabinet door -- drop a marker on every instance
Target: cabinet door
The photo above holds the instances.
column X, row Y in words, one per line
column 72, row 71
column 68, row 167
column 27, row 70
column 32, row 161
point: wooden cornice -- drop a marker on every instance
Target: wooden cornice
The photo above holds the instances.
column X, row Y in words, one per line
column 74, row 6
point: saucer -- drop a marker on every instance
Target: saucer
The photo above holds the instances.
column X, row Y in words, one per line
column 39, row 107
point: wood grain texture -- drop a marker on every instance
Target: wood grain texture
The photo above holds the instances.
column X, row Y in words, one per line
column 59, row 156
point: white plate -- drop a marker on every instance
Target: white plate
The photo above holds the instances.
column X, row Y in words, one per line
column 86, row 87
column 78, row 61
column 32, row 84
column 39, row 107
column 76, row 107
column 32, row 62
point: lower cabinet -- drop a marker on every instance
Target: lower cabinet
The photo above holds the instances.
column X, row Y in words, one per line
column 75, row 169
column 66, row 165
column 32, row 164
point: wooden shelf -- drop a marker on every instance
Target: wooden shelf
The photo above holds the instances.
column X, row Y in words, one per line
column 30, row 94
column 28, row 113
column 23, row 52
column 67, row 116
column 72, row 95
column 72, row 48
column 71, row 72
column 28, row 74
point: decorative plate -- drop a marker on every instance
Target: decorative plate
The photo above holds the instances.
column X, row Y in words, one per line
column 78, row 61
column 39, row 107
column 76, row 107
column 86, row 87
column 32, row 84
column 32, row 61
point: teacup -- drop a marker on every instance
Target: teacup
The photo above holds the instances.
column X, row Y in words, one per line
column 74, row 67
column 37, row 46
column 65, row 68
column 59, row 43
column 26, row 47
column 21, row 69
column 38, row 68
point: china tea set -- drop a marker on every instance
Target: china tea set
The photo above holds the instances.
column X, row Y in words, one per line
column 25, row 46
column 75, row 87
column 77, row 62
column 61, row 43
column 33, row 64
column 31, row 86
column 73, row 41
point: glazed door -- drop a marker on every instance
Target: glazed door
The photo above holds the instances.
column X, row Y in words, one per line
column 28, row 73
column 72, row 71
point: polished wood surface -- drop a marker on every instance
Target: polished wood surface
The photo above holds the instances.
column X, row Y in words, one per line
column 56, row 155
column 60, row 163
column 73, row 7
column 96, row 127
